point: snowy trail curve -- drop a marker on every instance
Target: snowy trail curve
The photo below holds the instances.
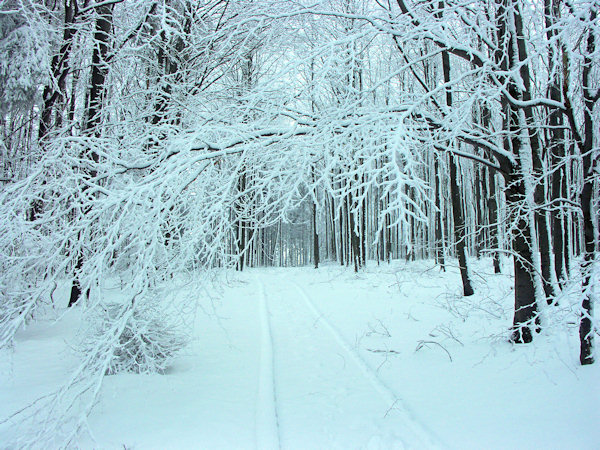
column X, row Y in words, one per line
column 420, row 437
column 267, row 426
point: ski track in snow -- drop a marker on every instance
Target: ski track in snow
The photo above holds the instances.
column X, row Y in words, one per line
column 421, row 436
column 267, row 424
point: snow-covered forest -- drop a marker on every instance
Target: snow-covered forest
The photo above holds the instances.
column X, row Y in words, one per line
column 174, row 170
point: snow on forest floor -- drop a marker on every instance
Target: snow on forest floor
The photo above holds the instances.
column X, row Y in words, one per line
column 298, row 358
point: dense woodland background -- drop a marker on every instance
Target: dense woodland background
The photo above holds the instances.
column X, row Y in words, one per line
column 143, row 140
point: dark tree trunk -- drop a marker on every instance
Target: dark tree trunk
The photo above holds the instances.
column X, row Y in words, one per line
column 493, row 219
column 99, row 72
column 559, row 228
column 586, row 327
column 459, row 228
column 240, row 225
column 96, row 92
column 525, row 316
column 457, row 213
column 250, row 243
column 354, row 236
column 334, row 249
column 534, row 141
column 60, row 70
column 55, row 92
column 75, row 294
column 343, row 221
column 363, row 231
column 388, row 231
column 315, row 236
column 439, row 241
column 544, row 245
column 479, row 226
column 556, row 139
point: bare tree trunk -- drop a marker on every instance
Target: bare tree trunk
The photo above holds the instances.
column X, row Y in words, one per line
column 54, row 93
column 341, row 222
column 354, row 237
column 526, row 314
column 493, row 219
column 544, row 246
column 556, row 140
column 479, row 225
column 363, row 229
column 240, row 225
column 459, row 222
column 96, row 92
column 388, row 231
column 439, row 241
column 315, row 235
column 586, row 328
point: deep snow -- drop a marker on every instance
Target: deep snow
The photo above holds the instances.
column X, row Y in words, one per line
column 299, row 358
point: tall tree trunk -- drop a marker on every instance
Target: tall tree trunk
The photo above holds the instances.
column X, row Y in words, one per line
column 479, row 225
column 457, row 213
column 315, row 235
column 556, row 139
column 240, row 224
column 586, row 328
column 459, row 228
column 54, row 93
column 354, row 236
column 525, row 315
column 95, row 97
column 508, row 57
column 533, row 133
column 439, row 241
column 493, row 221
column 388, row 231
column 343, row 221
column 363, row 229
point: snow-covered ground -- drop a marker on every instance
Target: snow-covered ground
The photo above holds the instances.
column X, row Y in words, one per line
column 298, row 358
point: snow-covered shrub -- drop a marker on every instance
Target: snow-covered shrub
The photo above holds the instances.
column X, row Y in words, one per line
column 145, row 337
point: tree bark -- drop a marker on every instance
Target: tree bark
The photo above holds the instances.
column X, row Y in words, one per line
column 439, row 241
column 556, row 139
column 586, row 327
column 96, row 92
column 457, row 213
column 60, row 70
column 526, row 314
column 493, row 221
column 315, row 235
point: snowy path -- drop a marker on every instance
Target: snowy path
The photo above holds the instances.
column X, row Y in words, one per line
column 414, row 433
column 304, row 359
column 267, row 427
column 323, row 386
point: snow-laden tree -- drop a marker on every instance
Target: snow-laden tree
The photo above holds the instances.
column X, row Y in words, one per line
column 171, row 137
column 499, row 65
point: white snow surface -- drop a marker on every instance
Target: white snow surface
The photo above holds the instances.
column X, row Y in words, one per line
column 297, row 358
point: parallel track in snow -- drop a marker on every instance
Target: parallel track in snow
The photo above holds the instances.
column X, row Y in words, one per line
column 267, row 423
column 421, row 436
